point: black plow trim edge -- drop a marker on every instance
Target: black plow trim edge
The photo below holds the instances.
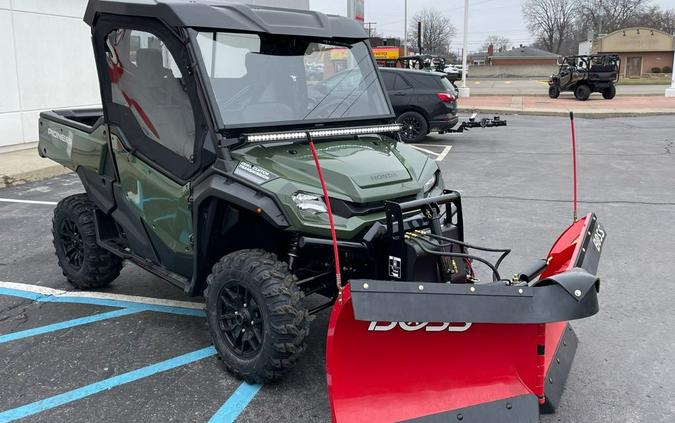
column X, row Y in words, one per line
column 549, row 301
column 520, row 409
column 556, row 375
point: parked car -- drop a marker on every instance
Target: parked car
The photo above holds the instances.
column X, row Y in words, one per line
column 423, row 101
column 454, row 72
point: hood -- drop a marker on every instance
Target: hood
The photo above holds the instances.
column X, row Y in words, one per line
column 360, row 170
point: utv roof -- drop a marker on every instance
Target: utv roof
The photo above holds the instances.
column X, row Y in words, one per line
column 225, row 15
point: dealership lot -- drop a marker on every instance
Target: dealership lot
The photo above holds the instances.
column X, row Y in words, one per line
column 104, row 357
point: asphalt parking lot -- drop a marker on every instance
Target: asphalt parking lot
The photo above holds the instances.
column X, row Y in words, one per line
column 109, row 357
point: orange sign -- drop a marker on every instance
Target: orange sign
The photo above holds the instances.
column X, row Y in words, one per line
column 385, row 53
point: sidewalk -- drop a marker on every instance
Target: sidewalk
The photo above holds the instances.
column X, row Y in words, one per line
column 21, row 166
column 596, row 106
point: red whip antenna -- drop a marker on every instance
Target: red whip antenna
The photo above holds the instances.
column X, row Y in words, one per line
column 574, row 165
column 326, row 199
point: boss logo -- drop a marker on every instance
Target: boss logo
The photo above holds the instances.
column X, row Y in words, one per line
column 598, row 238
column 415, row 326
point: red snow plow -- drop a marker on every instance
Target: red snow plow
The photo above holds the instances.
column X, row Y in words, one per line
column 413, row 349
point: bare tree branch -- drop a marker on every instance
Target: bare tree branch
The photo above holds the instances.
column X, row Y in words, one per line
column 437, row 31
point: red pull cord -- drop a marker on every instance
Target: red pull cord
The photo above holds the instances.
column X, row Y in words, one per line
column 574, row 165
column 326, row 199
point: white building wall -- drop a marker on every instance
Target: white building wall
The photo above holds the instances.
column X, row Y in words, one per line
column 47, row 62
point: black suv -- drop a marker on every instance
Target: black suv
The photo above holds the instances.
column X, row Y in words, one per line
column 423, row 101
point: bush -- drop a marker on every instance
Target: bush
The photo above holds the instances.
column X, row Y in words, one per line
column 667, row 69
column 656, row 70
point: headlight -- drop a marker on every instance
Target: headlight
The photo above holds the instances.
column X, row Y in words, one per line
column 430, row 183
column 309, row 204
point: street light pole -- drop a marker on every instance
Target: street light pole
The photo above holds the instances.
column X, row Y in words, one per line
column 670, row 92
column 464, row 91
column 405, row 27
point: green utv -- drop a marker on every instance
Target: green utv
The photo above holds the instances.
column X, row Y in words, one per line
column 197, row 170
column 223, row 162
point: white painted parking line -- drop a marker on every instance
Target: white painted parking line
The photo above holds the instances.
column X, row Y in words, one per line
column 43, row 290
column 439, row 156
column 14, row 200
column 444, row 153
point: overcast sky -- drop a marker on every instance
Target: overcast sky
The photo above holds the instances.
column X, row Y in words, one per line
column 486, row 17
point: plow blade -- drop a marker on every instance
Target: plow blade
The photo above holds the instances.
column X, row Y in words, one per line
column 391, row 358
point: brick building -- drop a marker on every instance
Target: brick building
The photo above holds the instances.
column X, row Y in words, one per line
column 641, row 49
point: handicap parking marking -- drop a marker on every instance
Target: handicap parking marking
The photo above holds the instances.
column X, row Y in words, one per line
column 14, row 200
column 236, row 403
column 13, row 336
column 228, row 412
column 104, row 385
column 46, row 294
column 440, row 156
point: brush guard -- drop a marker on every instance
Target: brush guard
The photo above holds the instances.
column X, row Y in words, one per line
column 498, row 351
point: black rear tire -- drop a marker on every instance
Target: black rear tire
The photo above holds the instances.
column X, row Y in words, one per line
column 582, row 92
column 609, row 92
column 255, row 315
column 83, row 262
column 415, row 126
column 554, row 91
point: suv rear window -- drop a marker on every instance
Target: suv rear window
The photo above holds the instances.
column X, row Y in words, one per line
column 447, row 84
column 421, row 81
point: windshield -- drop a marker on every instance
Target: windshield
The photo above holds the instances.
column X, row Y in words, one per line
column 272, row 79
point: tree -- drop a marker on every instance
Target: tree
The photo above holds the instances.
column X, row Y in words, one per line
column 437, row 31
column 655, row 17
column 605, row 16
column 550, row 21
column 498, row 42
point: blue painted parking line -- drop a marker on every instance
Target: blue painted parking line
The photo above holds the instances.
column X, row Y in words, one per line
column 100, row 301
column 68, row 324
column 236, row 403
column 94, row 388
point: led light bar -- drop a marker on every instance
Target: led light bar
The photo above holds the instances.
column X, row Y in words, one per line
column 321, row 133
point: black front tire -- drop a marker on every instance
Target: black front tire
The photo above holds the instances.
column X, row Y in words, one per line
column 415, row 126
column 609, row 92
column 554, row 91
column 582, row 92
column 255, row 315
column 83, row 262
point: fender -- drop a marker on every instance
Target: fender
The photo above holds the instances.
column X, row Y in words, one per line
column 233, row 192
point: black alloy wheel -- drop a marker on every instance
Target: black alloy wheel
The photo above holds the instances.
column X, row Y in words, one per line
column 71, row 240
column 240, row 320
column 415, row 127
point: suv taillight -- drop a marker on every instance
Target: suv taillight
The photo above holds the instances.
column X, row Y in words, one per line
column 446, row 97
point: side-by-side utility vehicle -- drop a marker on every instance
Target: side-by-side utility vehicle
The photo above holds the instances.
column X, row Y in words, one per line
column 584, row 75
column 220, row 163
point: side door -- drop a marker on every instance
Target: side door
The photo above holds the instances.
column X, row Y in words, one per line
column 149, row 98
column 399, row 92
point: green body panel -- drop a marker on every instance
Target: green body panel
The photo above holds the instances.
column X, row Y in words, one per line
column 360, row 170
column 160, row 202
column 72, row 147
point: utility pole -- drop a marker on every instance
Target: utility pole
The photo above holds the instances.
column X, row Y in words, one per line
column 405, row 27
column 370, row 25
column 419, row 37
column 670, row 92
column 464, row 91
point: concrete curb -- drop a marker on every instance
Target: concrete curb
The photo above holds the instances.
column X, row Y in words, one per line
column 33, row 175
column 549, row 112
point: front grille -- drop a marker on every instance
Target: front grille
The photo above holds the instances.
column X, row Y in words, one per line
column 348, row 209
